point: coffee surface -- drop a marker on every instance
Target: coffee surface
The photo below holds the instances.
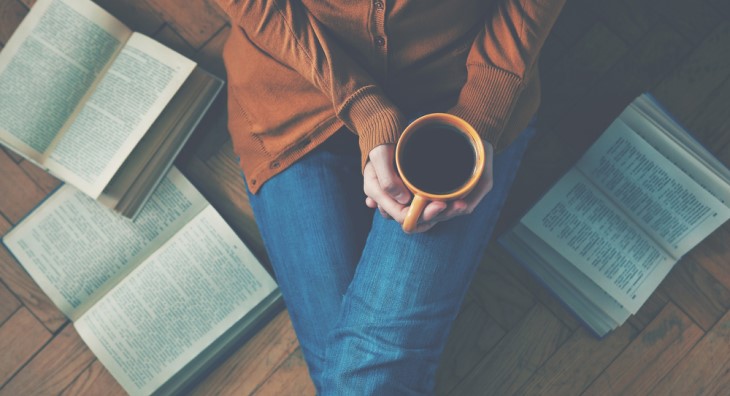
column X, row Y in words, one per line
column 437, row 159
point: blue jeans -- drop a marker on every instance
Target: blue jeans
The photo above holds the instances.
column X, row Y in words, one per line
column 372, row 306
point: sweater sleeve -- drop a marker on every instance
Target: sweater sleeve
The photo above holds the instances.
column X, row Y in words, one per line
column 502, row 55
column 290, row 34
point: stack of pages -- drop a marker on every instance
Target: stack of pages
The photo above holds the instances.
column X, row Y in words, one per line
column 608, row 232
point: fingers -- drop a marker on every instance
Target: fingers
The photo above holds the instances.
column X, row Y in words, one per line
column 381, row 158
column 370, row 203
column 386, row 192
column 377, row 197
column 433, row 215
column 432, row 210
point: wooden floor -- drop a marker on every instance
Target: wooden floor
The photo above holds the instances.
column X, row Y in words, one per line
column 511, row 336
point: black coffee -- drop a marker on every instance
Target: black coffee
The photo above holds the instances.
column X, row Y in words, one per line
column 438, row 159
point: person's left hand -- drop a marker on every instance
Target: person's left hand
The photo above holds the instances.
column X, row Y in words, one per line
column 436, row 212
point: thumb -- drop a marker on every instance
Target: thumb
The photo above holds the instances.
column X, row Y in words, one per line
column 382, row 159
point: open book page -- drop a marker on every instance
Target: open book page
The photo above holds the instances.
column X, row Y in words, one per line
column 135, row 89
column 667, row 203
column 594, row 235
column 154, row 154
column 592, row 305
column 647, row 118
column 569, row 277
column 48, row 65
column 175, row 304
column 73, row 247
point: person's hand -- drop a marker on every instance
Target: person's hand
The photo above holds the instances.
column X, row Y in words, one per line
column 436, row 212
column 383, row 186
column 386, row 191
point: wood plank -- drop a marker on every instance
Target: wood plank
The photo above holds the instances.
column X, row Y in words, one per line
column 5, row 225
column 517, row 356
column 20, row 338
column 619, row 18
column 712, row 121
column 721, row 5
column 473, row 335
column 649, row 311
column 650, row 356
column 692, row 19
column 713, row 255
column 168, row 36
column 643, row 66
column 94, row 380
column 547, row 158
column 54, row 368
column 291, row 378
column 137, row 15
column 705, row 370
column 691, row 83
column 574, row 20
column 578, row 70
column 507, row 264
column 210, row 56
column 8, row 304
column 42, row 179
column 500, row 295
column 219, row 180
column 13, row 155
column 211, row 135
column 197, row 21
column 724, row 154
column 697, row 292
column 20, row 193
column 252, row 364
column 577, row 363
column 552, row 50
column 12, row 13
column 17, row 280
column 639, row 15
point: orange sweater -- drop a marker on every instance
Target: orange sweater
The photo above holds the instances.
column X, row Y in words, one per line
column 300, row 70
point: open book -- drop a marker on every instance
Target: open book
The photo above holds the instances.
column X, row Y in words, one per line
column 608, row 232
column 95, row 104
column 159, row 299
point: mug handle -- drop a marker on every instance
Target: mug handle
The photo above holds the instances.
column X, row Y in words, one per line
column 414, row 212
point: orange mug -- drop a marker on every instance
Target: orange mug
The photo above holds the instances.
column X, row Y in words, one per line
column 439, row 157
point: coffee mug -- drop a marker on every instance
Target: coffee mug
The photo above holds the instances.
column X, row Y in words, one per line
column 439, row 157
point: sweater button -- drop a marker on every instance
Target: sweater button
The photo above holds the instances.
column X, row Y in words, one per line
column 275, row 164
column 379, row 5
column 379, row 41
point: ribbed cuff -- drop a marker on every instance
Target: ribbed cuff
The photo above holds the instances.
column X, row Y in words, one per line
column 487, row 99
column 373, row 117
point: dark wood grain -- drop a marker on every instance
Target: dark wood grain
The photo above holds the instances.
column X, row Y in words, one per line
column 19, row 193
column 32, row 297
column 94, row 380
column 291, row 378
column 566, row 373
column 21, row 336
column 654, row 352
column 475, row 333
column 55, row 367
column 706, row 369
column 11, row 13
column 247, row 368
column 517, row 357
column 8, row 303
column 697, row 292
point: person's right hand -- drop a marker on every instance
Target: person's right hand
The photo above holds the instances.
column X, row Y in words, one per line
column 385, row 189
column 382, row 185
